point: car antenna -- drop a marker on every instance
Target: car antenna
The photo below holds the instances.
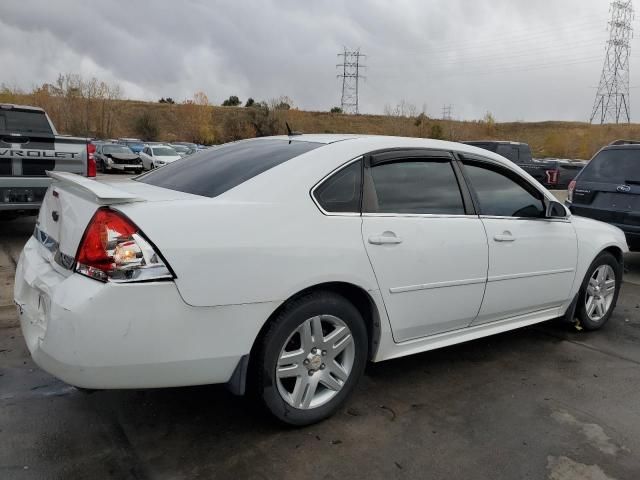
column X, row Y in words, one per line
column 290, row 132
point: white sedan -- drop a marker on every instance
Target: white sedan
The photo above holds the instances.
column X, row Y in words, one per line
column 154, row 156
column 285, row 264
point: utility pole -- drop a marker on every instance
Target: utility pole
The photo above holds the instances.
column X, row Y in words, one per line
column 612, row 99
column 446, row 112
column 350, row 73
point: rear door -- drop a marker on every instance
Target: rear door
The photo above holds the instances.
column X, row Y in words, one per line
column 427, row 247
column 532, row 259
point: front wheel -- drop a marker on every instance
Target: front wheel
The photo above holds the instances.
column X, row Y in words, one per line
column 311, row 358
column 599, row 292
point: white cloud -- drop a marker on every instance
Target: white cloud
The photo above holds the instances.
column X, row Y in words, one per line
column 519, row 59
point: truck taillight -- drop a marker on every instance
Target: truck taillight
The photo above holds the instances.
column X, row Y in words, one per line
column 572, row 187
column 552, row 176
column 113, row 249
column 91, row 160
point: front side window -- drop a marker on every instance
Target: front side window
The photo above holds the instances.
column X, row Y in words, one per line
column 413, row 187
column 340, row 193
column 500, row 195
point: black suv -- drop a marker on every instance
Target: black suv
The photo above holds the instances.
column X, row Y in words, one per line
column 608, row 189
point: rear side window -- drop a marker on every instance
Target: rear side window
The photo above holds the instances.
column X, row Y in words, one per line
column 501, row 195
column 508, row 151
column 613, row 166
column 213, row 171
column 414, row 187
column 21, row 121
column 340, row 193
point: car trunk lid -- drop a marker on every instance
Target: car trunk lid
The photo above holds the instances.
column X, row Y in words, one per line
column 71, row 202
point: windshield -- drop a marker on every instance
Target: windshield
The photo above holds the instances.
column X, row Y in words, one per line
column 212, row 172
column 613, row 166
column 164, row 152
column 116, row 149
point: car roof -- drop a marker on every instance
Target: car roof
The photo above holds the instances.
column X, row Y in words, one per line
column 11, row 106
column 497, row 142
column 625, row 146
column 368, row 143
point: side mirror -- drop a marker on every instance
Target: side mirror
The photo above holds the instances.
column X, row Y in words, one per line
column 554, row 209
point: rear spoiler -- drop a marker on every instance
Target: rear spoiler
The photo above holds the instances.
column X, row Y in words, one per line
column 87, row 188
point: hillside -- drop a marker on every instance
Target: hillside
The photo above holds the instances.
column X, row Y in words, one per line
column 197, row 121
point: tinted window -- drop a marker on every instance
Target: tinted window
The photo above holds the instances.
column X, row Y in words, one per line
column 500, row 195
column 415, row 187
column 213, row 171
column 24, row 122
column 341, row 191
column 613, row 166
column 508, row 151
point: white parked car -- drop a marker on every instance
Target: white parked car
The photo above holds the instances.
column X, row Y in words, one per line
column 290, row 262
column 154, row 156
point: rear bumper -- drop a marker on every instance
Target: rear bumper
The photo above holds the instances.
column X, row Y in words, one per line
column 631, row 232
column 103, row 336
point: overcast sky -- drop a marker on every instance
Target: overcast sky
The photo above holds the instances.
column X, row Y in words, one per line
column 519, row 59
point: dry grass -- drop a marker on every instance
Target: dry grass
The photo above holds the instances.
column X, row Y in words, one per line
column 175, row 122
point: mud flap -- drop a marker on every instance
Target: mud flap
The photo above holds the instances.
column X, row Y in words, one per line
column 237, row 384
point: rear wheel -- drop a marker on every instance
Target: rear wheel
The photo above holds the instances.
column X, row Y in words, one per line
column 599, row 292
column 311, row 358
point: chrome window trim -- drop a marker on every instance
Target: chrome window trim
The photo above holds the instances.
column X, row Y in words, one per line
column 537, row 219
column 420, row 215
column 320, row 182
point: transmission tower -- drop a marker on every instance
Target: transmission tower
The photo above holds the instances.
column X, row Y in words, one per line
column 446, row 112
column 612, row 100
column 350, row 74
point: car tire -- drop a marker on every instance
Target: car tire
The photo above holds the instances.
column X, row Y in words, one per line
column 317, row 372
column 599, row 292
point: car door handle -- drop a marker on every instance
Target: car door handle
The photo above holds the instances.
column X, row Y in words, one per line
column 387, row 238
column 504, row 237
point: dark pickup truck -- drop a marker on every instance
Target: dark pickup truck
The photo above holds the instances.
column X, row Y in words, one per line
column 551, row 173
column 29, row 147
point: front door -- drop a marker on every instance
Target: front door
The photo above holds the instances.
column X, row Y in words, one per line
column 428, row 251
column 532, row 259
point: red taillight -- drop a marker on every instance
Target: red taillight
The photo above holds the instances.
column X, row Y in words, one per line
column 106, row 226
column 113, row 249
column 572, row 187
column 91, row 160
column 552, row 176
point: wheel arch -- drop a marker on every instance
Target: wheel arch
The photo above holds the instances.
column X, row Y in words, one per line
column 357, row 295
column 615, row 251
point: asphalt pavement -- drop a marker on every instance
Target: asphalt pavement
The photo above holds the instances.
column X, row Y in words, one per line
column 541, row 402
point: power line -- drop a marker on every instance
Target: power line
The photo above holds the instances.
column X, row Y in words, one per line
column 612, row 98
column 350, row 74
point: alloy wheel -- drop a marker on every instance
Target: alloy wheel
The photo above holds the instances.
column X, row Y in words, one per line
column 315, row 362
column 600, row 292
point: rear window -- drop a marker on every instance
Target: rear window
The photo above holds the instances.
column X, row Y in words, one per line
column 613, row 166
column 214, row 171
column 24, row 121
